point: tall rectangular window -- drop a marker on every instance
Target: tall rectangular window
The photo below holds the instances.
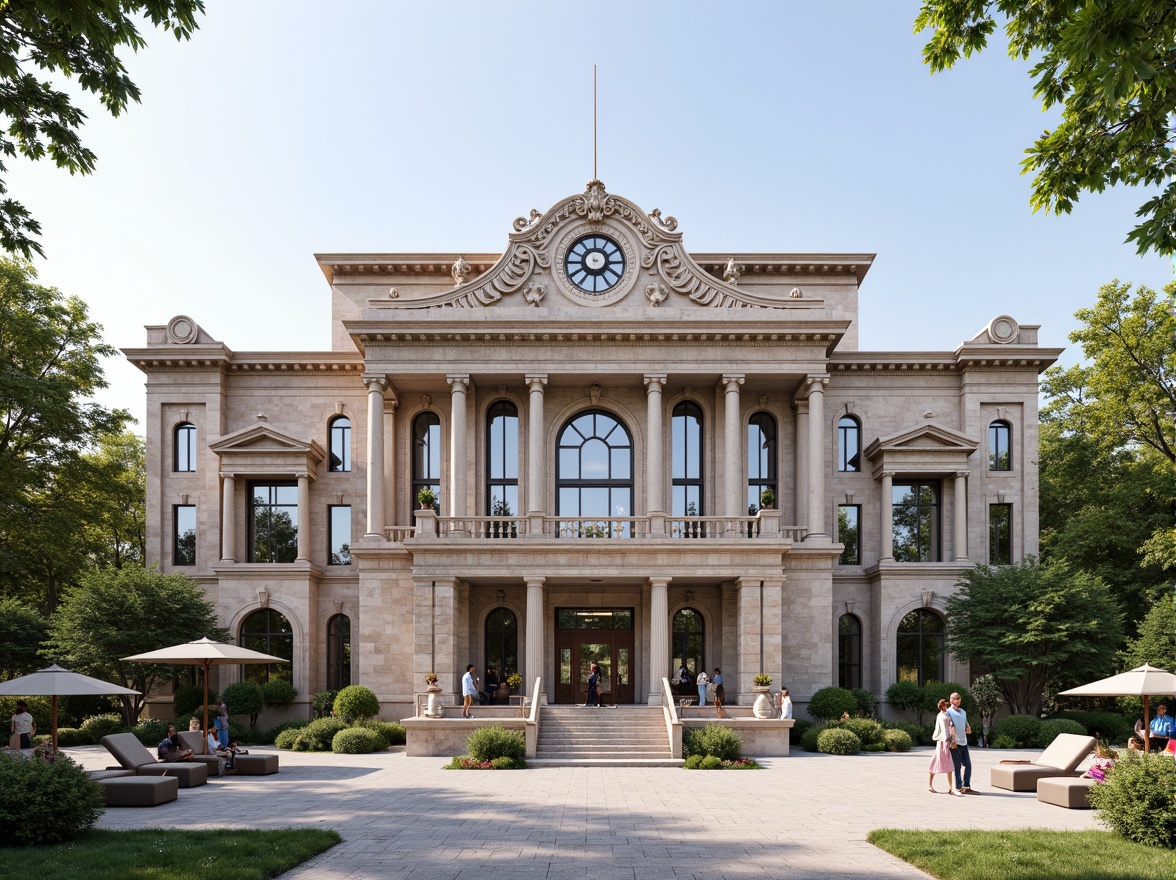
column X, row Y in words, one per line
column 502, row 462
column 339, row 534
column 916, row 522
column 849, row 519
column 1000, row 534
column 273, row 522
column 185, row 448
column 184, row 544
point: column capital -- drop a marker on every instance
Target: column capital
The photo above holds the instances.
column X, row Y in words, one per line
column 654, row 381
column 459, row 381
column 887, row 475
column 660, row 581
column 961, row 474
column 534, row 580
column 375, row 382
column 815, row 383
column 535, row 381
column 733, row 380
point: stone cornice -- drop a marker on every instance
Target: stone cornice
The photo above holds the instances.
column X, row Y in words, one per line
column 1003, row 358
column 832, row 267
column 189, row 359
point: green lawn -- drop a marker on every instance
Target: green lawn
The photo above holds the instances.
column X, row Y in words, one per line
column 1026, row 855
column 169, row 855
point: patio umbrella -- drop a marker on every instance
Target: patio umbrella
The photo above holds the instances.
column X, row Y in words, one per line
column 1142, row 681
column 54, row 681
column 206, row 653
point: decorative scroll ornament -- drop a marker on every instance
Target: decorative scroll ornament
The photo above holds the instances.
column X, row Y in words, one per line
column 731, row 272
column 595, row 203
column 795, row 293
column 521, row 224
column 655, row 293
column 393, row 293
column 460, row 271
column 669, row 224
column 508, row 276
column 534, row 293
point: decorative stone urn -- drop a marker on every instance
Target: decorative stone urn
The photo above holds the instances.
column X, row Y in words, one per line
column 762, row 708
column 434, row 709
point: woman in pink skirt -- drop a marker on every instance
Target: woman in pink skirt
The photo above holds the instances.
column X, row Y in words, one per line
column 941, row 762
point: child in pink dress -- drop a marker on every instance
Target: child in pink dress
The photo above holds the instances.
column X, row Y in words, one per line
column 941, row 762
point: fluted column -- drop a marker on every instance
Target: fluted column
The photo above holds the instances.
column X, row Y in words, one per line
column 886, row 530
column 375, row 455
column 303, row 518
column 816, row 460
column 800, row 497
column 960, row 517
column 659, row 637
column 228, row 518
column 732, row 447
column 458, row 384
column 535, row 470
column 655, row 486
column 534, row 651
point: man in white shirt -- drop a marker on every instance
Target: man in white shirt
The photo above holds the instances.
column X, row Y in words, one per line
column 785, row 704
column 469, row 690
column 959, row 755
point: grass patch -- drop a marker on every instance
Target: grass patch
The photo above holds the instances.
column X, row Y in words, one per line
column 175, row 855
column 1026, row 855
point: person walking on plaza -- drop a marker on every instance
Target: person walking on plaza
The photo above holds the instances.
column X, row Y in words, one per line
column 469, row 690
column 960, row 758
column 23, row 725
column 702, row 681
column 720, row 694
column 1162, row 728
column 941, row 762
column 593, row 686
column 222, row 725
column 785, row 704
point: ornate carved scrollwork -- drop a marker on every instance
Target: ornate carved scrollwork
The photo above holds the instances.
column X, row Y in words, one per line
column 521, row 224
column 507, row 277
column 682, row 279
column 460, row 270
column 534, row 293
column 595, row 203
column 669, row 224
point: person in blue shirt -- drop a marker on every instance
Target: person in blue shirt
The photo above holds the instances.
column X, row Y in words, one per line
column 1162, row 728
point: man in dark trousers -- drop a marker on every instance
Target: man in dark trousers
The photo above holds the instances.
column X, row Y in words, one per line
column 959, row 755
column 491, row 684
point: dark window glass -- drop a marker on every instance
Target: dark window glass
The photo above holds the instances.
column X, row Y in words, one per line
column 273, row 522
column 426, row 457
column 594, row 618
column 502, row 642
column 849, row 651
column 1000, row 534
column 1000, row 450
column 686, row 460
column 502, row 462
column 340, row 443
column 849, row 533
column 919, row 647
column 185, row 443
column 916, row 522
column 686, row 636
column 594, row 475
column 339, row 534
column 270, row 632
column 849, row 444
column 184, row 546
column 338, row 652
column 761, row 459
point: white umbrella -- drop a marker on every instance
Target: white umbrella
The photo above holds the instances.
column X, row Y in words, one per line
column 207, row 653
column 1142, row 681
column 54, row 681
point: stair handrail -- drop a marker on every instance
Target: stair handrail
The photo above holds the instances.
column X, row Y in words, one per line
column 673, row 722
column 531, row 724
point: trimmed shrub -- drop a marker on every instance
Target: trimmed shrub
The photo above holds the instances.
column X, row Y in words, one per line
column 1049, row 729
column 99, row 726
column 1004, row 742
column 317, row 736
column 323, row 702
column 838, row 741
column 942, row 690
column 1139, row 799
column 809, row 741
column 190, row 697
column 45, row 802
column 1110, row 726
column 356, row 741
column 286, row 739
column 867, row 704
column 896, row 740
column 68, row 737
column 356, row 702
column 692, row 762
column 830, row 703
column 278, row 692
column 495, row 741
column 799, row 728
column 1022, row 729
column 271, row 735
column 867, row 730
column 714, row 739
column 916, row 732
column 711, row 762
column 390, row 732
column 150, row 732
column 505, row 763
column 244, row 698
column 907, row 696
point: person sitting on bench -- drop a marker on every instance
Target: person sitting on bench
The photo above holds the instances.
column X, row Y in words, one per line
column 172, row 749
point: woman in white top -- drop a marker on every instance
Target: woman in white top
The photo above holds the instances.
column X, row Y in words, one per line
column 941, row 762
column 785, row 704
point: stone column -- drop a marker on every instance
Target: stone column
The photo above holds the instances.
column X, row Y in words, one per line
column 303, row 518
column 800, row 511
column 228, row 518
column 659, row 636
column 732, row 447
column 655, row 486
column 375, row 455
column 816, row 460
column 886, row 519
column 960, row 515
column 534, row 651
column 389, row 420
column 536, row 494
column 458, row 384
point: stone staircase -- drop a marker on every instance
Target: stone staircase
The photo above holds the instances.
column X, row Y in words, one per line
column 624, row 736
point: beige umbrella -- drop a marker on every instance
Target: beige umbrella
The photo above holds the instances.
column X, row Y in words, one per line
column 1142, row 681
column 207, row 653
column 53, row 681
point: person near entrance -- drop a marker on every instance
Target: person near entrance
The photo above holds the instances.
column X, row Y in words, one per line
column 593, row 686
column 960, row 758
column 785, row 704
column 469, row 690
column 702, row 681
column 720, row 694
column 492, row 685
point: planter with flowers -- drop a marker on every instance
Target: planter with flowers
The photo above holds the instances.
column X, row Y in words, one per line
column 762, row 686
column 434, row 709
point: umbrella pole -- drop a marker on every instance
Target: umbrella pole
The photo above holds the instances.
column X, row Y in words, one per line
column 55, row 724
column 207, row 666
column 1146, row 727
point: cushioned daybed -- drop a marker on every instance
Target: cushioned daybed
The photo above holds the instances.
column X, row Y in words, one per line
column 1065, row 792
column 1061, row 759
column 195, row 740
column 133, row 755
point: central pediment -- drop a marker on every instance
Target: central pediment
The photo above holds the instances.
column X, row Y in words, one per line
column 927, row 449
column 262, row 450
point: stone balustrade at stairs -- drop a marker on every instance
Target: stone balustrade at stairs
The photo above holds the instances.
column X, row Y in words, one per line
column 587, row 736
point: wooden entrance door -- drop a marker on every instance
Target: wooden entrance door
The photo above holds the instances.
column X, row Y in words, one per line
column 587, row 636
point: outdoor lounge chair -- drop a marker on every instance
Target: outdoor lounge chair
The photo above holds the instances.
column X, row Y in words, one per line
column 1061, row 759
column 1073, row 794
column 133, row 755
column 196, row 741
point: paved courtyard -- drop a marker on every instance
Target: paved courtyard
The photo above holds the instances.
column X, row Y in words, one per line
column 804, row 816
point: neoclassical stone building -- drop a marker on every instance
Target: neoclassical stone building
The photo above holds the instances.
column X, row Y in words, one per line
column 640, row 455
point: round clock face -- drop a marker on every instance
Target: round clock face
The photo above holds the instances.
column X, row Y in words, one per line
column 595, row 263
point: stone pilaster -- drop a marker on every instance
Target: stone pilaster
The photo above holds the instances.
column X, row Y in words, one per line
column 375, row 455
column 458, row 384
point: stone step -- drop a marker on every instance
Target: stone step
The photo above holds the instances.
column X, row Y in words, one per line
column 542, row 763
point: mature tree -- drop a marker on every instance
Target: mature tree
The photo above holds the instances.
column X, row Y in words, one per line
column 116, row 498
column 114, row 613
column 59, row 40
column 22, row 629
column 1156, row 642
column 1035, row 627
column 1111, row 67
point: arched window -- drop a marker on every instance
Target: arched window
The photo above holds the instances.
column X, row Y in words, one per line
column 849, row 444
column 502, row 642
column 270, row 632
column 687, row 460
column 338, row 652
column 1000, row 449
column 594, row 473
column 686, row 645
column 502, row 459
column 849, row 651
column 919, row 647
column 185, row 448
column 339, row 440
column 761, row 459
column 426, row 457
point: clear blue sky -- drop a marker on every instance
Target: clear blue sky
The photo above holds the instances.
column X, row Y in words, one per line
column 286, row 128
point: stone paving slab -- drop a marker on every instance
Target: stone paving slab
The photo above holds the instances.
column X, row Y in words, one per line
column 407, row 819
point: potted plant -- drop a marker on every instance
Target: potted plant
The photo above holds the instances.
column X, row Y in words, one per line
column 767, row 499
column 431, row 680
column 762, row 681
column 426, row 498
column 514, row 680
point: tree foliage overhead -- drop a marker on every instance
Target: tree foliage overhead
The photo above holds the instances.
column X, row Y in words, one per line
column 22, row 629
column 77, row 41
column 1110, row 65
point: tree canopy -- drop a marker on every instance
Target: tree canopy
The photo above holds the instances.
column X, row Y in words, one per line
column 22, row 629
column 1111, row 69
column 77, row 42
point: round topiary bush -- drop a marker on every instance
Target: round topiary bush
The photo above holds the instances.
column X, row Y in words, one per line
column 915, row 731
column 69, row 737
column 356, row 741
column 692, row 762
column 286, row 739
column 390, row 732
column 714, row 739
column 356, row 702
column 867, row 730
column 1138, row 799
column 99, row 726
column 495, row 741
column 711, row 762
column 838, row 741
column 273, row 733
column 507, row 764
column 44, row 802
column 1022, row 729
column 897, row 740
column 244, row 698
column 1049, row 729
column 808, row 742
column 317, row 736
column 278, row 692
column 829, row 704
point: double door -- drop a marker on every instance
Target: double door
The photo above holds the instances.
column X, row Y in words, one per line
column 577, row 649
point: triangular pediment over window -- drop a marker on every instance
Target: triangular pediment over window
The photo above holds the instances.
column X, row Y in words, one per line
column 925, row 450
column 263, row 451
